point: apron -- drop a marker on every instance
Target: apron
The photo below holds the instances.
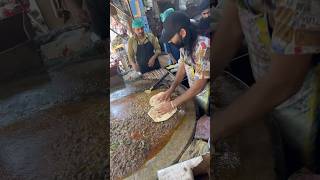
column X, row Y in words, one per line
column 143, row 54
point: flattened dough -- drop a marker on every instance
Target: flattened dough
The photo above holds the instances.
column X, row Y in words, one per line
column 157, row 118
column 153, row 100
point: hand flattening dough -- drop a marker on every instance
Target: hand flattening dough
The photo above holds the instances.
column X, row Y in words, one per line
column 154, row 114
column 159, row 118
column 154, row 100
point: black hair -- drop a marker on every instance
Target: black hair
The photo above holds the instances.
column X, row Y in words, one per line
column 190, row 39
column 270, row 4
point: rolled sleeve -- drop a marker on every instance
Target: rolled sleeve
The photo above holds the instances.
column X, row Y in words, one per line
column 202, row 70
column 131, row 54
column 156, row 45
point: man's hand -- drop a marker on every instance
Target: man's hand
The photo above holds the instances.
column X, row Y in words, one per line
column 165, row 108
column 151, row 61
column 165, row 96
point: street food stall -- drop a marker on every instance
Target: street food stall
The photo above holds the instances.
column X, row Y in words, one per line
column 141, row 148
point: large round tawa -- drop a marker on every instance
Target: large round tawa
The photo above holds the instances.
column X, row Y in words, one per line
column 178, row 140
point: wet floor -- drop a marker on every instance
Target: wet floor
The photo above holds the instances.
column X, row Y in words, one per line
column 53, row 126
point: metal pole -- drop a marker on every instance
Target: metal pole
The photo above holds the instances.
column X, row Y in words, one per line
column 128, row 4
column 115, row 32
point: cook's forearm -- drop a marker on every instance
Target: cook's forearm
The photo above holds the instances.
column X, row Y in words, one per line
column 227, row 39
column 154, row 57
column 284, row 78
column 194, row 90
column 259, row 100
column 156, row 47
column 179, row 77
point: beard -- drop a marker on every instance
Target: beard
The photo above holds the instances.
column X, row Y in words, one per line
column 189, row 41
column 139, row 35
column 204, row 23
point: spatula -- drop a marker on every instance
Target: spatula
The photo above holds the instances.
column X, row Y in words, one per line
column 148, row 91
